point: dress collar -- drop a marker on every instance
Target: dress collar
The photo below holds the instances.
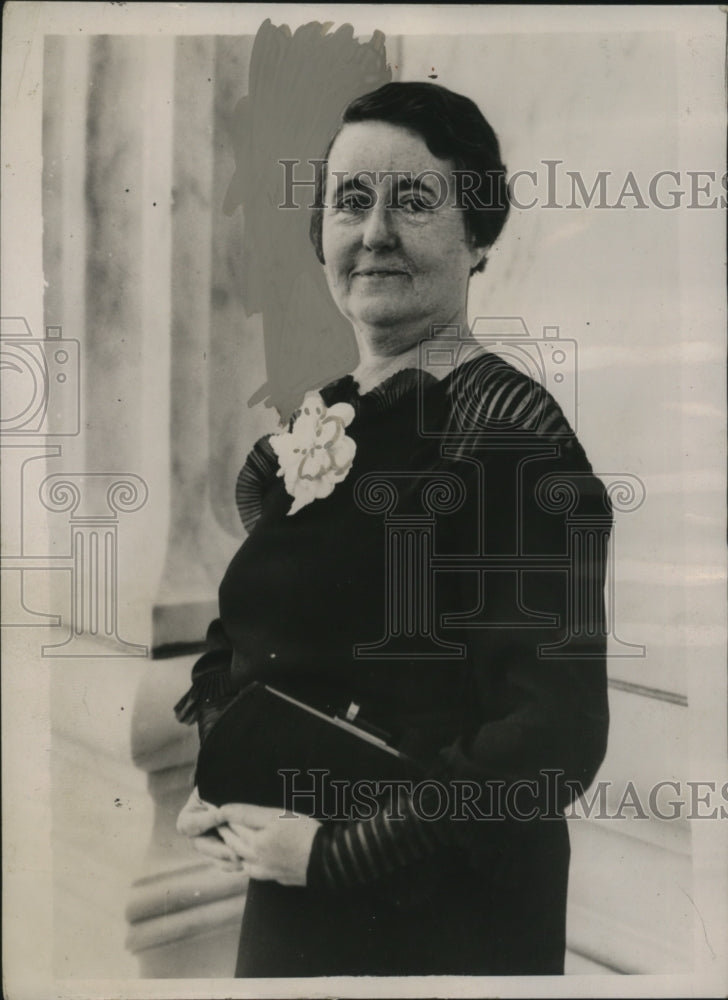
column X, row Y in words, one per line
column 383, row 396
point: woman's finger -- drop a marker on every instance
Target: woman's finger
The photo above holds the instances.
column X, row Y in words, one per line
column 197, row 817
column 213, row 847
column 227, row 866
column 240, row 838
column 201, row 803
column 247, row 814
column 195, row 824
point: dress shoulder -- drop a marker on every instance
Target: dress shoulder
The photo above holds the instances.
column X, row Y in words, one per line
column 255, row 479
column 492, row 402
column 488, row 395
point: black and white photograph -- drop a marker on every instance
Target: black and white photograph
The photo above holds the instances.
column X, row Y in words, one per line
column 363, row 500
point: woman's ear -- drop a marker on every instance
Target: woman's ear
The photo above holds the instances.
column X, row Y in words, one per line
column 479, row 256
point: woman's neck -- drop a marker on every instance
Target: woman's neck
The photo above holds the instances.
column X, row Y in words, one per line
column 373, row 369
column 376, row 365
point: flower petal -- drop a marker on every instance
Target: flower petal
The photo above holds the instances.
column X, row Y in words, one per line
column 342, row 411
column 303, row 495
column 315, row 464
column 316, row 453
column 330, row 430
column 342, row 454
column 313, row 406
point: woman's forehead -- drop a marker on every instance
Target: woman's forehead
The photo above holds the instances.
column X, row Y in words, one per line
column 381, row 146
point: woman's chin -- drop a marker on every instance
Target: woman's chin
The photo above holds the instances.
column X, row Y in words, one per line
column 385, row 314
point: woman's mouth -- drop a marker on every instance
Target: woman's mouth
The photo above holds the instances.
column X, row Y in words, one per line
column 371, row 272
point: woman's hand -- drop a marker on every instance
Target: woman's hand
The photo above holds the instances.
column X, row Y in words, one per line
column 201, row 822
column 272, row 846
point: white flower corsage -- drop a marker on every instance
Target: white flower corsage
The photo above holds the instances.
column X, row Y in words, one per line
column 315, row 454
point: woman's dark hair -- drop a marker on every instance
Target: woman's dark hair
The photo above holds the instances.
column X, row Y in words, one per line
column 453, row 128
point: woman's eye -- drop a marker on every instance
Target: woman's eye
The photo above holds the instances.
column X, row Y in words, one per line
column 356, row 202
column 415, row 203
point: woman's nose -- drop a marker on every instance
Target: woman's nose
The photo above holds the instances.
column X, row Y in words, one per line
column 380, row 227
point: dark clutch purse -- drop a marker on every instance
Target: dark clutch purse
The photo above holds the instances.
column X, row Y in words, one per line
column 270, row 749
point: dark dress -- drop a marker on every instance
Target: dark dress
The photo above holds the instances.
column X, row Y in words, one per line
column 490, row 673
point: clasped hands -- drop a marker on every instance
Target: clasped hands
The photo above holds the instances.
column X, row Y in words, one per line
column 256, row 840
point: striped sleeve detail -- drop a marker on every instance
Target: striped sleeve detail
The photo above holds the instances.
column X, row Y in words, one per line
column 324, row 861
column 374, row 862
column 491, row 396
column 358, row 853
column 255, row 479
column 338, row 867
column 360, row 873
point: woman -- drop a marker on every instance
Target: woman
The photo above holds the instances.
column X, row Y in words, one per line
column 414, row 195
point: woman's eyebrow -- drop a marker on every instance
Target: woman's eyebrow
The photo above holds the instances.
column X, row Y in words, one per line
column 362, row 180
column 398, row 182
column 415, row 182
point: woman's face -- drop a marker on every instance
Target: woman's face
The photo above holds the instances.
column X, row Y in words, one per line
column 398, row 257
